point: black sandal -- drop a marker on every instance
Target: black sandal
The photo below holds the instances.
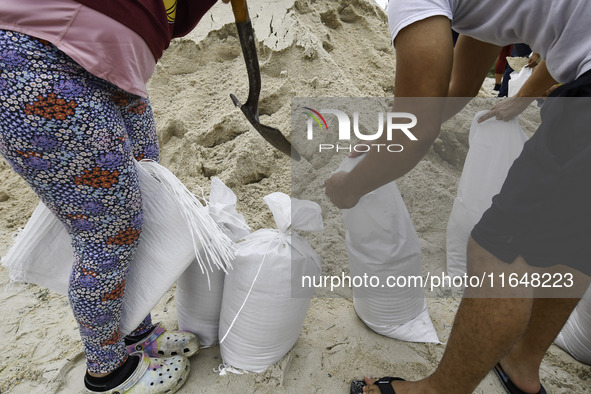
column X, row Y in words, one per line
column 508, row 385
column 382, row 383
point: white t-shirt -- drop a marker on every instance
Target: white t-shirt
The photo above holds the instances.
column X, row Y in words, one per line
column 556, row 29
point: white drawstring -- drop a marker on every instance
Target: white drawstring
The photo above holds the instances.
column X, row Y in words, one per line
column 218, row 249
column 251, row 287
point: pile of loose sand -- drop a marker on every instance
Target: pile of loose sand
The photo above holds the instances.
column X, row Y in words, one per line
column 306, row 49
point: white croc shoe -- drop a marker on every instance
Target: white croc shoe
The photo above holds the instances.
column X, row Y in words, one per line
column 163, row 343
column 154, row 375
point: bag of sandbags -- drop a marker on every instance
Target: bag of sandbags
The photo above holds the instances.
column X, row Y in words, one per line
column 264, row 304
column 382, row 242
column 199, row 292
column 494, row 146
column 575, row 337
column 177, row 229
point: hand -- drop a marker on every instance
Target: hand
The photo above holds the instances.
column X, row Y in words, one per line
column 507, row 109
column 533, row 61
column 337, row 188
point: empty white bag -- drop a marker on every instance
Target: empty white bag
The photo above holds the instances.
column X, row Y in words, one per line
column 494, row 146
column 198, row 292
column 575, row 337
column 382, row 242
column 263, row 307
column 176, row 228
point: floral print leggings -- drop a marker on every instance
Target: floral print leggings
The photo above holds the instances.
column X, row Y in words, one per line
column 72, row 137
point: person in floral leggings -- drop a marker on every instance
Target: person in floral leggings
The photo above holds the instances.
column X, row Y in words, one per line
column 73, row 137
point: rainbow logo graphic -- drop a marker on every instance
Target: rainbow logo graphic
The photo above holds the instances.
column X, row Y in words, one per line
column 315, row 115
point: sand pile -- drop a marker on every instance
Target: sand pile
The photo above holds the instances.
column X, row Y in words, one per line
column 306, row 49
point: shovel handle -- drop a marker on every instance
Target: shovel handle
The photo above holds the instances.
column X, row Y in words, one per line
column 240, row 10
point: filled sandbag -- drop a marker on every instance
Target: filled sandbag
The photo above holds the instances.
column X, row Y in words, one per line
column 264, row 304
column 198, row 292
column 177, row 229
column 575, row 337
column 494, row 146
column 382, row 243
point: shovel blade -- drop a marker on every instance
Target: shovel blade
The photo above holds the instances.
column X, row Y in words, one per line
column 272, row 135
column 277, row 140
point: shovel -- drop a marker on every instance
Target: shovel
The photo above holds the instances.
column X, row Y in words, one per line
column 250, row 108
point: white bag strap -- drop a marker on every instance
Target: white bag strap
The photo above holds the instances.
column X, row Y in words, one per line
column 217, row 247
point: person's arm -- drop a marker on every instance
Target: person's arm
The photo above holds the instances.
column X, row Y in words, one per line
column 472, row 62
column 536, row 86
column 424, row 56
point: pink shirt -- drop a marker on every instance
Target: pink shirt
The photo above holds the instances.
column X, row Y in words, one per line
column 103, row 46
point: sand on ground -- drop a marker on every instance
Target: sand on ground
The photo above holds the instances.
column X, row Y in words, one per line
column 306, row 49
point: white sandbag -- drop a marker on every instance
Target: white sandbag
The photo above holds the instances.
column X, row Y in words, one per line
column 199, row 297
column 518, row 79
column 382, row 242
column 494, row 146
column 263, row 307
column 42, row 252
column 176, row 228
column 575, row 337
